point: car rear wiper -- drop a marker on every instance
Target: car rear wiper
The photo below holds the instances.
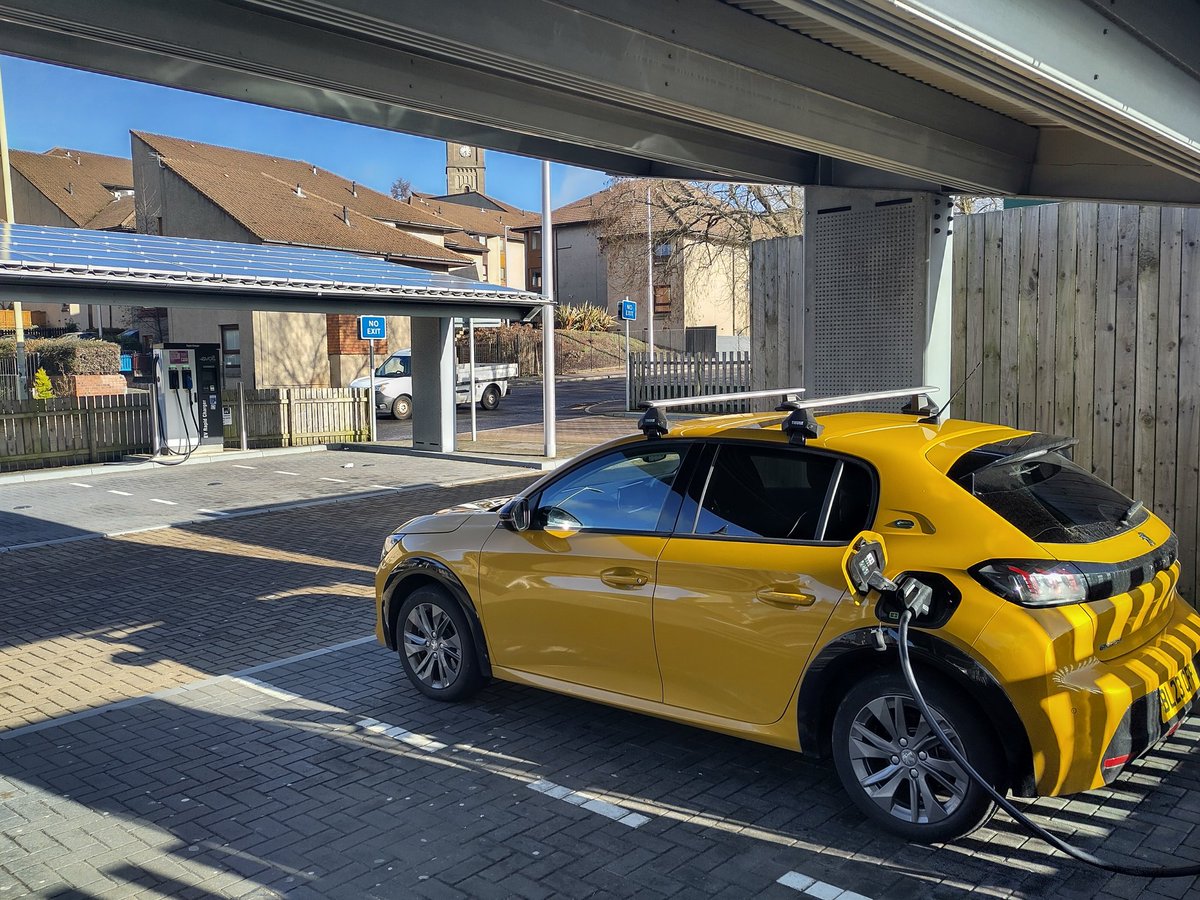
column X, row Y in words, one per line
column 1133, row 510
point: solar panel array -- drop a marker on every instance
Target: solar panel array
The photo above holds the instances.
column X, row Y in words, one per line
column 33, row 252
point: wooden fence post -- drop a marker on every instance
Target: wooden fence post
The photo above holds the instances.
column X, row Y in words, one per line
column 290, row 417
column 88, row 405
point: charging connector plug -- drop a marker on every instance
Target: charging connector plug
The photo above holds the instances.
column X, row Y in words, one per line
column 916, row 596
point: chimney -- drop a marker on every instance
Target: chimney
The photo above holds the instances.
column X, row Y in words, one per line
column 346, row 216
column 298, row 191
column 354, row 189
column 314, row 170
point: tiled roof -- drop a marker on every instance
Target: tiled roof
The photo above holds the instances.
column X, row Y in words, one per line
column 474, row 220
column 77, row 183
column 313, row 179
column 460, row 240
column 260, row 192
column 117, row 216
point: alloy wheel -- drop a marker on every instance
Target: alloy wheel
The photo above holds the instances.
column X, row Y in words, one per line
column 901, row 764
column 432, row 645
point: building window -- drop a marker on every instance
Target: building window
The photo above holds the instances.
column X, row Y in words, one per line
column 663, row 250
column 662, row 300
column 535, row 279
column 231, row 352
column 535, row 240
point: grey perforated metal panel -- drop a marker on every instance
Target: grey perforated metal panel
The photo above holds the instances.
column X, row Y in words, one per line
column 865, row 296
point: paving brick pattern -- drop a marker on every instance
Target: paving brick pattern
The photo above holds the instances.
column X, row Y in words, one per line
column 90, row 622
column 329, row 776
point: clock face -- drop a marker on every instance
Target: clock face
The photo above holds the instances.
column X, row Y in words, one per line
column 464, row 151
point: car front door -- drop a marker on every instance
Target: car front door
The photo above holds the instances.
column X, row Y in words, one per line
column 571, row 598
column 752, row 574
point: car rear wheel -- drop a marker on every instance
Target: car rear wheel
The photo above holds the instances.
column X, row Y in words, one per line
column 899, row 773
column 436, row 646
column 402, row 407
column 490, row 398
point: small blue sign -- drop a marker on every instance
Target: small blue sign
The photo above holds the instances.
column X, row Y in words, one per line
column 628, row 310
column 372, row 328
column 126, row 363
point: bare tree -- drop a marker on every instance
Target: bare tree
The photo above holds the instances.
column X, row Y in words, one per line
column 401, row 189
column 968, row 204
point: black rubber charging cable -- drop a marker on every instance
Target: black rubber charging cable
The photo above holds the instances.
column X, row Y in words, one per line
column 1003, row 802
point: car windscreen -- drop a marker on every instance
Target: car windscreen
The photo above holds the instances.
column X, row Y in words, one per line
column 1048, row 497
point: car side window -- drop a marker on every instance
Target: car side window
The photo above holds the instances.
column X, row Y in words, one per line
column 623, row 491
column 395, row 367
column 774, row 493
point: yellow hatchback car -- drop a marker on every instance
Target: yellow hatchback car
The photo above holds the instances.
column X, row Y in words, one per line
column 697, row 573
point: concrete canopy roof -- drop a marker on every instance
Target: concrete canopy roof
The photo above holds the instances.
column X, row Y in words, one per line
column 1072, row 99
column 69, row 265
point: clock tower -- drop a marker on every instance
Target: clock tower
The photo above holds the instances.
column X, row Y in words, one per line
column 464, row 168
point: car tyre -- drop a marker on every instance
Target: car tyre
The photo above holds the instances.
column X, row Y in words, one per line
column 436, row 646
column 490, row 398
column 402, row 407
column 880, row 739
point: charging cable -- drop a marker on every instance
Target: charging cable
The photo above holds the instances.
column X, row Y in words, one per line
column 187, row 440
column 916, row 603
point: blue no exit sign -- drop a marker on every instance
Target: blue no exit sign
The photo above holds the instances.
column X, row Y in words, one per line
column 372, row 328
column 629, row 310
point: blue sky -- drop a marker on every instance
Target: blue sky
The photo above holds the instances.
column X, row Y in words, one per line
column 52, row 106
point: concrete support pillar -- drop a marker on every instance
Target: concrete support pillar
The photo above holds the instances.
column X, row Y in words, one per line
column 434, row 372
column 938, row 302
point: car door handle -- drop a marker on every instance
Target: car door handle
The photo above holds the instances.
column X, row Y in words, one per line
column 785, row 599
column 624, row 578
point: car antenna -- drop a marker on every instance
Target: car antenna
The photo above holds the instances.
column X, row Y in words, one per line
column 962, row 384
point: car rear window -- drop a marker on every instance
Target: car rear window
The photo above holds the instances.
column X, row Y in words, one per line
column 1049, row 497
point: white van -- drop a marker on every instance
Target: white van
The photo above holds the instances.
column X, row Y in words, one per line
column 394, row 387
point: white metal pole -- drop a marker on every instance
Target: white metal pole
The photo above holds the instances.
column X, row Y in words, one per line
column 548, row 425
column 649, row 271
column 371, row 403
column 471, row 344
column 245, row 439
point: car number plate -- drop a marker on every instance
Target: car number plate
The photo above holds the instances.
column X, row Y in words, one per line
column 1176, row 693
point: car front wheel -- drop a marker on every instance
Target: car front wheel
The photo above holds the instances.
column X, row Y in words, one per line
column 899, row 773
column 402, row 407
column 436, row 646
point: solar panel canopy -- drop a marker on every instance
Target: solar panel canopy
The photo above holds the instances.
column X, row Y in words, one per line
column 70, row 265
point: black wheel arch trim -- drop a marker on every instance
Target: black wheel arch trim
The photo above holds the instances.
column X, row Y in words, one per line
column 422, row 569
column 856, row 652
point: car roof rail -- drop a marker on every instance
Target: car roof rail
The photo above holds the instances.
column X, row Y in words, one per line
column 801, row 427
column 654, row 423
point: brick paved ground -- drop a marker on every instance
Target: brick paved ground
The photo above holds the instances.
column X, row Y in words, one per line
column 328, row 776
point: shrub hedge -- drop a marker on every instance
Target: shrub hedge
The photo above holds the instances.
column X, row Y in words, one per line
column 69, row 356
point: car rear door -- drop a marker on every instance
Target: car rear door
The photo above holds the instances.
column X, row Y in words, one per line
column 752, row 574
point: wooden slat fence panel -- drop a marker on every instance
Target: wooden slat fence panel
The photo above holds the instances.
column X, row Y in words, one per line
column 1094, row 310
column 36, row 434
column 670, row 375
column 299, row 417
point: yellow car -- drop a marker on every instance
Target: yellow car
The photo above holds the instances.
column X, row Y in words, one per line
column 697, row 573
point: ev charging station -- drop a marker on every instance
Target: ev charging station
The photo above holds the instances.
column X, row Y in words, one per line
column 187, row 384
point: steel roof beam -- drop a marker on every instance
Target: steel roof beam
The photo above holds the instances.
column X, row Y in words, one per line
column 546, row 79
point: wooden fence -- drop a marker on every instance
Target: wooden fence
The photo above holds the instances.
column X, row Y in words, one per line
column 1084, row 320
column 299, row 417
column 669, row 375
column 37, row 434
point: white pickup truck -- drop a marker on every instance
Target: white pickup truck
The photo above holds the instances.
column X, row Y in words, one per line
column 393, row 384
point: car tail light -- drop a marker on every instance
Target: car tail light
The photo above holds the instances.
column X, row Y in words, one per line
column 1033, row 582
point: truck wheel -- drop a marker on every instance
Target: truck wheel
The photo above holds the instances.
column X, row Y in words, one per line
column 402, row 407
column 490, row 398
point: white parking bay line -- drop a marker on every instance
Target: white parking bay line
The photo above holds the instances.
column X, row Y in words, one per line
column 338, row 480
column 591, row 804
column 121, row 493
column 163, row 502
column 421, row 741
column 79, row 484
column 281, row 472
column 806, row 884
column 236, row 466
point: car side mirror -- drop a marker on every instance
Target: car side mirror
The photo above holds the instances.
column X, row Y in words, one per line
column 864, row 563
column 561, row 524
column 514, row 515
